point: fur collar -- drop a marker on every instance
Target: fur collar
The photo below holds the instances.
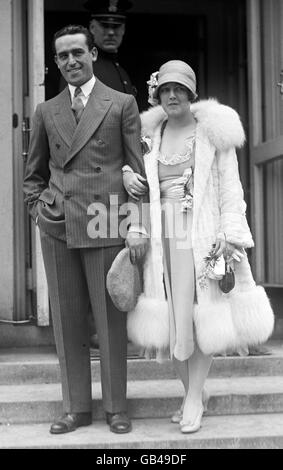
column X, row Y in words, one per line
column 221, row 124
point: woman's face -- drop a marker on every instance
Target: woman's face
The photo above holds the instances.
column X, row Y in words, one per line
column 174, row 98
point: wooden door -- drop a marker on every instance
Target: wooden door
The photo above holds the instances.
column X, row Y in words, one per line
column 265, row 61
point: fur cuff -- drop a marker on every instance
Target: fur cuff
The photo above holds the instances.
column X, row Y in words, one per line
column 252, row 315
column 148, row 323
column 245, row 319
column 214, row 327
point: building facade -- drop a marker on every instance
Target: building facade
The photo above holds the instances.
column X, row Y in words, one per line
column 236, row 49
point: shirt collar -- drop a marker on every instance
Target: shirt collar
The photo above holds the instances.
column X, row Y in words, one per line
column 86, row 88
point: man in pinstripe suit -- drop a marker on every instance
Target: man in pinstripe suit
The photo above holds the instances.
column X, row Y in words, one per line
column 80, row 141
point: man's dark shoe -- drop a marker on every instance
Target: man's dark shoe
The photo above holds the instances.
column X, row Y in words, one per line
column 70, row 421
column 119, row 422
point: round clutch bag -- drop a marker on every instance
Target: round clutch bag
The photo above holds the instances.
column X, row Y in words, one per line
column 124, row 282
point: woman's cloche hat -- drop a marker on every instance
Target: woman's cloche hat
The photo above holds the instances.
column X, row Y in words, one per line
column 179, row 72
column 123, row 282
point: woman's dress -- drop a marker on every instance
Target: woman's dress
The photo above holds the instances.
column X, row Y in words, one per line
column 176, row 174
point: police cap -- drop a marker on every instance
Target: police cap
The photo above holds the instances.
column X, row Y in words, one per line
column 108, row 11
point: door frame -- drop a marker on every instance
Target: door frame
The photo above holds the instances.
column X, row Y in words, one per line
column 261, row 151
column 19, row 83
column 36, row 96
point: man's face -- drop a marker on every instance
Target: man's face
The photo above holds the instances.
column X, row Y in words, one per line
column 107, row 37
column 74, row 59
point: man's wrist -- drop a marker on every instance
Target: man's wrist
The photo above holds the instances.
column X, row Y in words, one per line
column 127, row 168
column 138, row 229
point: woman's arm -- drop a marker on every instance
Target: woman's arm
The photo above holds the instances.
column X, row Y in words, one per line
column 233, row 222
column 135, row 184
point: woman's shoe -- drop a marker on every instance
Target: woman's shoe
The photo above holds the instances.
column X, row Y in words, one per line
column 178, row 415
column 191, row 427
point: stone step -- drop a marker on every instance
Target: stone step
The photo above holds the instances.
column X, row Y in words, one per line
column 254, row 431
column 146, row 399
column 27, row 366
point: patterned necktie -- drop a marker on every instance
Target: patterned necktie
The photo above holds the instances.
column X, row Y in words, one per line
column 78, row 106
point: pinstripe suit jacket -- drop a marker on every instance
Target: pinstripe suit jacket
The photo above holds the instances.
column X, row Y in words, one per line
column 74, row 170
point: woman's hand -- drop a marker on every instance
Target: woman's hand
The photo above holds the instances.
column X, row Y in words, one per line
column 230, row 251
column 137, row 244
column 135, row 185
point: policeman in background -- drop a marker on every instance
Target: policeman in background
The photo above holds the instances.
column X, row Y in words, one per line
column 107, row 24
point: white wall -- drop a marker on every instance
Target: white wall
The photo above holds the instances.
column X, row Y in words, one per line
column 6, row 164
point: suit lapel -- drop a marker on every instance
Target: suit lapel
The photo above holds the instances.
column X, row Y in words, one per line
column 97, row 106
column 64, row 117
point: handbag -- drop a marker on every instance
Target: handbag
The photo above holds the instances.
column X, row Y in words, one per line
column 227, row 283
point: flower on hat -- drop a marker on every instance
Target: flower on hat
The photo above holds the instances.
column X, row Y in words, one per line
column 152, row 85
column 113, row 6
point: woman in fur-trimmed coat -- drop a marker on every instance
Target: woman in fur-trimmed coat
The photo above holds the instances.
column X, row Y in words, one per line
column 192, row 153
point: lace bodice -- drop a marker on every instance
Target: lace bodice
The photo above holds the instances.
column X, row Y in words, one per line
column 176, row 158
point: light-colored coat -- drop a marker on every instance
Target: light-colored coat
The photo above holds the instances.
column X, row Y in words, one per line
column 222, row 321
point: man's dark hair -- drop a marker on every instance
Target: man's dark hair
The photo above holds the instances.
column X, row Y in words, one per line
column 74, row 29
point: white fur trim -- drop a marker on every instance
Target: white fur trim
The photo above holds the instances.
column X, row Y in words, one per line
column 153, row 266
column 243, row 319
column 221, row 124
column 214, row 327
column 150, row 119
column 252, row 315
column 148, row 323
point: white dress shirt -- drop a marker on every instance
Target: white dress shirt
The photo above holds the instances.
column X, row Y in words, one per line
column 86, row 90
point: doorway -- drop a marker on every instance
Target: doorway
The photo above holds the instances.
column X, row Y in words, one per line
column 208, row 34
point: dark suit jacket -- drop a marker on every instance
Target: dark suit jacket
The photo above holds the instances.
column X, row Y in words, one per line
column 74, row 170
